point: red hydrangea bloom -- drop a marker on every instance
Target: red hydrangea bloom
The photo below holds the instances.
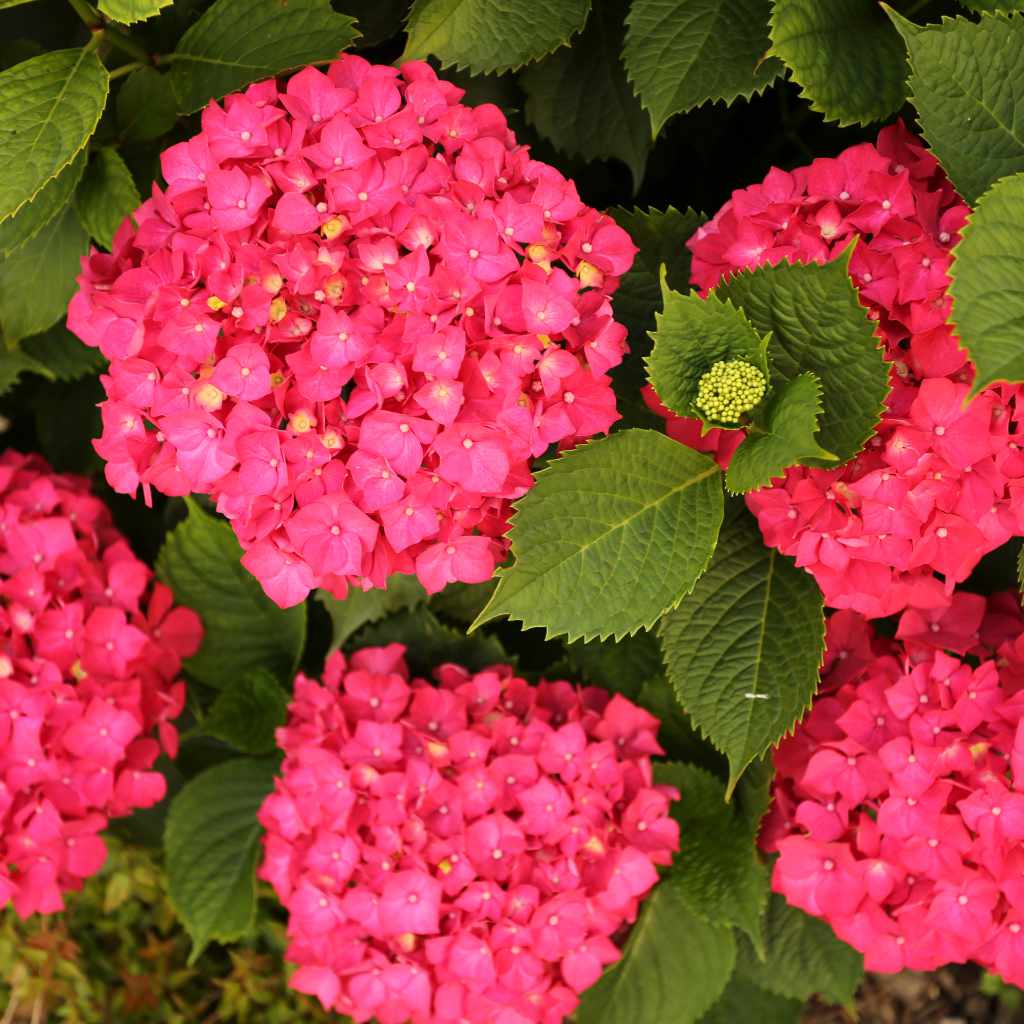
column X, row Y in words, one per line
column 354, row 316
column 898, row 811
column 466, row 851
column 937, row 487
column 89, row 650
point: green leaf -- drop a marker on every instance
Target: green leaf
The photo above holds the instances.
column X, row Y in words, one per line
column 13, row 364
column 674, row 966
column 961, row 80
column 744, row 649
column 49, row 202
column 818, row 324
column 579, row 97
column 244, row 629
column 682, row 53
column 744, row 1001
column 37, row 280
column 718, row 871
column 491, row 35
column 803, row 957
column 661, row 237
column 987, row 288
column 845, row 55
column 146, row 107
column 692, row 334
column 52, row 104
column 363, row 606
column 237, row 42
column 429, row 643
column 676, row 733
column 377, row 20
column 247, row 711
column 612, row 535
column 106, row 195
column 784, row 436
column 212, row 844
column 129, row 11
column 63, row 355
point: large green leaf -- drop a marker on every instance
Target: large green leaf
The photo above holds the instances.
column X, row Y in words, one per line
column 692, row 335
column 675, row 965
column 129, row 11
column 661, row 237
column 362, row 606
column 987, row 287
column 742, row 1000
column 623, row 667
column 718, row 871
column 237, row 42
column 247, row 712
column 37, row 280
column 818, row 324
column 845, row 55
column 993, row 5
column 579, row 97
column 744, row 649
column 13, row 364
column 963, row 84
column 212, row 844
column 783, row 435
column 52, row 104
column 610, row 537
column 146, row 107
column 491, row 35
column 49, row 202
column 106, row 195
column 802, row 958
column 430, row 643
column 682, row 53
column 244, row 629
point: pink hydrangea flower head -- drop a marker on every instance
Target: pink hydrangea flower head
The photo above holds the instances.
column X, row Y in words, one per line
column 470, row 850
column 90, row 650
column 898, row 812
column 355, row 314
column 938, row 485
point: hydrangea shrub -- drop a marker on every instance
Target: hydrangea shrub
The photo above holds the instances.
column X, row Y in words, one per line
column 479, row 587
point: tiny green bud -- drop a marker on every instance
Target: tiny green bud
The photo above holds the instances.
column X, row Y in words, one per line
column 729, row 389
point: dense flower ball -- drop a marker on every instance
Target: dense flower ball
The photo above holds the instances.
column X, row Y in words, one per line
column 938, row 485
column 730, row 388
column 89, row 651
column 469, row 851
column 356, row 313
column 899, row 802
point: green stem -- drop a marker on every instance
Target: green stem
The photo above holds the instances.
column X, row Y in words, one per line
column 87, row 13
column 126, row 69
column 124, row 42
column 915, row 7
column 94, row 40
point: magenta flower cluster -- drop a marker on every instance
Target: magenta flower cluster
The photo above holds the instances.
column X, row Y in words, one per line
column 90, row 648
column 466, row 851
column 939, row 485
column 899, row 801
column 355, row 314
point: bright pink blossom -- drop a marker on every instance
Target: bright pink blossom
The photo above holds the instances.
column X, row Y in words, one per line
column 354, row 317
column 466, row 851
column 898, row 810
column 90, row 648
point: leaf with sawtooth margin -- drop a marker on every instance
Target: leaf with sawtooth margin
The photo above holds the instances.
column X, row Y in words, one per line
column 744, row 649
column 611, row 535
column 682, row 53
column 845, row 55
column 964, row 82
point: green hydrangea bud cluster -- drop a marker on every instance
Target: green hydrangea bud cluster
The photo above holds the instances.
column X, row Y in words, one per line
column 729, row 389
